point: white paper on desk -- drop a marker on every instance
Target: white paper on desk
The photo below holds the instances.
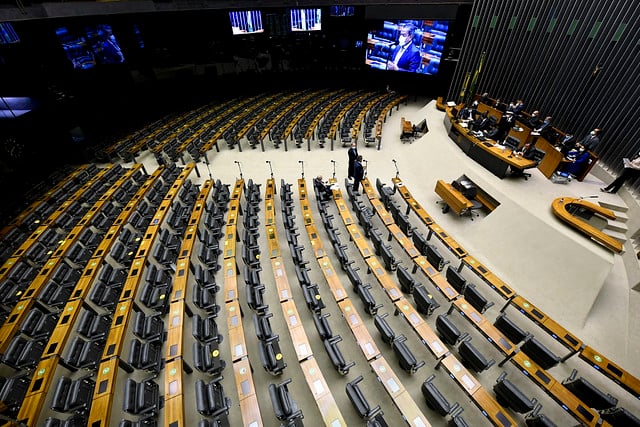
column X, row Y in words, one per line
column 627, row 162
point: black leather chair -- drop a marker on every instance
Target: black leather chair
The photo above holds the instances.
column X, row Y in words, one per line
column 205, row 277
column 205, row 329
column 255, row 300
column 406, row 358
column 455, row 279
column 39, row 324
column 510, row 330
column 285, row 408
column 471, row 357
column 389, row 261
column 448, row 331
column 435, row 399
column 588, row 393
column 75, row 420
column 354, row 277
column 104, row 296
column 252, row 275
column 73, row 395
column 370, row 306
column 155, row 296
column 386, row 333
column 331, row 345
column 359, row 402
column 476, row 299
column 425, row 303
column 312, row 298
column 509, row 396
column 339, row 251
column 322, row 325
column 23, row 353
column 211, row 400
column 146, row 356
column 404, row 224
column 150, row 328
column 205, row 299
column 539, row 353
column 271, row 356
column 262, row 325
column 141, row 398
column 83, row 354
column 12, row 390
column 539, row 420
column 434, row 258
column 92, row 326
column 406, row 280
column 206, row 358
column 620, row 417
column 302, row 275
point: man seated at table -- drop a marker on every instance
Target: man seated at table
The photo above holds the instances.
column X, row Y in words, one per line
column 481, row 123
column 323, row 189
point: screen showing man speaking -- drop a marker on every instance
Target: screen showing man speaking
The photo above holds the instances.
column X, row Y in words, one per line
column 413, row 46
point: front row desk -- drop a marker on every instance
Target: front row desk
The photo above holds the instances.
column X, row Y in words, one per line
column 498, row 160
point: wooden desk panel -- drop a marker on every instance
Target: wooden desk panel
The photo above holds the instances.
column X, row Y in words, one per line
column 385, row 216
column 176, row 315
column 447, row 240
column 244, row 379
column 130, row 287
column 487, row 276
column 174, row 344
column 384, row 279
column 272, row 241
column 229, row 248
column 316, row 242
column 366, row 342
column 611, row 370
column 350, row 313
column 100, row 414
column 361, row 243
column 174, row 412
column 491, row 409
column 300, row 343
column 334, row 282
column 491, row 333
column 424, row 331
column 547, row 324
column 368, row 189
column 180, row 280
column 436, row 278
column 406, row 243
column 453, row 198
column 106, row 378
column 230, row 280
column 63, row 329
column 250, row 411
column 118, row 330
column 173, row 382
column 412, row 203
column 235, row 330
column 282, row 281
column 343, row 209
column 462, row 376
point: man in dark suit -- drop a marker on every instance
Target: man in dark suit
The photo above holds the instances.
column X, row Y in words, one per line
column 358, row 173
column 591, row 141
column 353, row 156
column 504, row 126
column 406, row 56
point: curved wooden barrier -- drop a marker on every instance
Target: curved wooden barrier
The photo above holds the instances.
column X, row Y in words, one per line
column 560, row 206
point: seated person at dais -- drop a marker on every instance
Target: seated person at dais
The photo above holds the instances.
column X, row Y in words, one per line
column 481, row 123
column 579, row 158
column 323, row 188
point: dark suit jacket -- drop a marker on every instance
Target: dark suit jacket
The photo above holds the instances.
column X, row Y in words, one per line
column 358, row 171
column 410, row 59
column 353, row 155
column 590, row 142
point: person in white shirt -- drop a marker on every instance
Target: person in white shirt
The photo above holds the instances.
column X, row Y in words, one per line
column 630, row 171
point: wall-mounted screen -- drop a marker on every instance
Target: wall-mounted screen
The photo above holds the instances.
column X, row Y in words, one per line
column 413, row 46
column 90, row 46
column 306, row 19
column 7, row 34
column 342, row 11
column 246, row 22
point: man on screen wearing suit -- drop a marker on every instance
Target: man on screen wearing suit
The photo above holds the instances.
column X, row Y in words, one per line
column 406, row 56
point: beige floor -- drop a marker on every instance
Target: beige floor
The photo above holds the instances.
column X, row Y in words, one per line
column 607, row 325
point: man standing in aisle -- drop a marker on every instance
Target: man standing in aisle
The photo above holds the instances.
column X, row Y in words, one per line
column 358, row 174
column 353, row 156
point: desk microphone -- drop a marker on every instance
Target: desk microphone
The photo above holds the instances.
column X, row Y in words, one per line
column 588, row 197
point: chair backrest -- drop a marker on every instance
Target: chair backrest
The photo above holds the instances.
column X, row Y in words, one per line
column 447, row 329
column 510, row 396
column 589, row 394
column 472, row 357
column 540, row 354
column 455, row 279
column 407, row 283
column 512, row 331
column 384, row 328
column 425, row 303
column 476, row 299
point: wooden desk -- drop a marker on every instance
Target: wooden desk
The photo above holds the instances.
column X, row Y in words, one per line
column 343, row 209
column 490, row 332
column 458, row 372
column 487, row 276
column 173, row 382
column 176, row 315
column 332, row 278
column 436, row 278
column 174, row 344
column 401, row 397
column 272, row 241
column 13, row 322
column 118, row 331
column 100, row 413
column 174, row 412
column 459, row 204
column 549, row 325
column 447, row 240
column 229, row 248
column 61, row 333
column 384, row 279
column 379, row 208
column 37, row 392
column 249, row 408
column 491, row 409
column 412, row 202
column 235, row 331
column 361, row 243
column 322, row 394
column 316, row 242
column 133, row 279
column 230, row 283
column 552, row 160
column 402, row 239
column 282, row 282
column 424, row 331
column 406, row 129
column 612, row 370
column 560, row 206
column 179, row 290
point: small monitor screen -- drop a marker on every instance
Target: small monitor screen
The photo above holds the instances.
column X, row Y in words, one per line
column 7, row 34
column 306, row 19
column 90, row 46
column 342, row 11
column 246, row 22
column 413, row 46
